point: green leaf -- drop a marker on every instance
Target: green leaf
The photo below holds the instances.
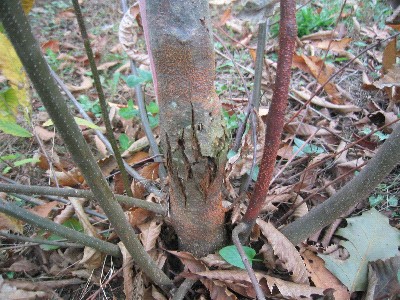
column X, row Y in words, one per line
column 124, row 141
column 14, row 129
column 231, row 154
column 10, row 156
column 307, row 149
column 129, row 112
column 79, row 121
column 392, row 201
column 133, row 80
column 375, row 200
column 232, row 256
column 26, row 161
column 72, row 223
column 152, row 108
column 153, row 120
column 8, row 105
column 367, row 238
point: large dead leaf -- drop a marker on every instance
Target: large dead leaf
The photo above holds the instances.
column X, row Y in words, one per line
column 10, row 223
column 286, row 252
column 69, row 178
column 269, row 284
column 150, row 232
column 306, row 95
column 322, row 277
column 365, row 242
column 44, row 209
column 10, row 292
column 383, row 280
column 86, row 84
column 127, row 271
column 389, row 55
column 335, row 45
column 92, row 258
column 321, row 71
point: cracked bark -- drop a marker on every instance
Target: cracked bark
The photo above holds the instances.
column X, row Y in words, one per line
column 193, row 135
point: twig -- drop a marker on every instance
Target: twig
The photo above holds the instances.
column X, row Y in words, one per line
column 275, row 118
column 241, row 228
column 254, row 101
column 40, row 202
column 143, row 112
column 102, row 99
column 68, row 233
column 37, row 241
column 183, row 289
column 146, row 183
column 17, row 27
column 44, row 190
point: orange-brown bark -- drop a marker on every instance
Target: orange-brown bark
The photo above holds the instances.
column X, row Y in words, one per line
column 192, row 128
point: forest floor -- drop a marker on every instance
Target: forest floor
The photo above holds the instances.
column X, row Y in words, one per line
column 325, row 144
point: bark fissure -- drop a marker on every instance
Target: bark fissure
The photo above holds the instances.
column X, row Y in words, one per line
column 191, row 122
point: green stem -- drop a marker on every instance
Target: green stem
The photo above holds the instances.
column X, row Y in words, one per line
column 102, row 99
column 19, row 32
column 63, row 192
column 68, row 233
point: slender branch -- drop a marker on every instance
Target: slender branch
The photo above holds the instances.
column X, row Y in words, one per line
column 37, row 241
column 18, row 29
column 255, row 99
column 40, row 202
column 385, row 160
column 68, row 233
column 102, row 99
column 183, row 289
column 63, row 192
column 146, row 183
column 242, row 227
column 275, row 119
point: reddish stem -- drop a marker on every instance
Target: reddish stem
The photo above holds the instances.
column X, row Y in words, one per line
column 275, row 119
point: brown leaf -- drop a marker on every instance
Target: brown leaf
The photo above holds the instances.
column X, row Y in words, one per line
column 286, row 252
column 193, row 264
column 389, row 55
column 215, row 260
column 383, row 282
column 306, row 95
column 321, row 71
column 150, row 232
column 10, row 223
column 127, row 271
column 107, row 65
column 287, row 289
column 23, row 265
column 44, row 209
column 391, row 79
column 52, row 45
column 44, row 134
column 335, row 45
column 85, row 85
column 137, row 216
column 304, row 129
column 70, row 178
column 92, row 258
column 322, row 277
column 10, row 292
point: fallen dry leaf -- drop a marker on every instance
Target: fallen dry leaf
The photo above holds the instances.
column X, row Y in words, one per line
column 306, row 95
column 85, row 85
column 70, row 178
column 286, row 252
column 10, row 292
column 10, row 223
column 322, row 277
column 44, row 209
column 149, row 234
column 127, row 271
column 333, row 45
column 44, row 134
column 92, row 258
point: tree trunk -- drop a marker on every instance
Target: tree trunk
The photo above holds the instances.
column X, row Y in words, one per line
column 193, row 137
